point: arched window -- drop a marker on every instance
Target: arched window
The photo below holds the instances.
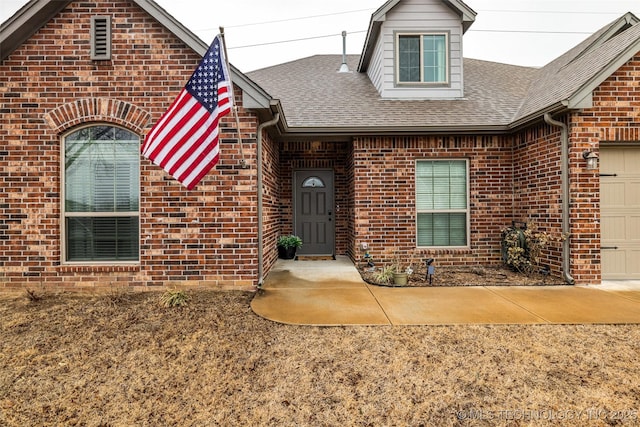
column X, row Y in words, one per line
column 313, row 182
column 101, row 195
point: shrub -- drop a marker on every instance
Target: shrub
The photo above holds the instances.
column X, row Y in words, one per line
column 290, row 241
column 385, row 274
column 523, row 245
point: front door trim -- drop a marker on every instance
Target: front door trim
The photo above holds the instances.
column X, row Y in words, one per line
column 327, row 176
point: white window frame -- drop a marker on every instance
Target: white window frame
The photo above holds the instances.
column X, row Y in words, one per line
column 447, row 58
column 64, row 214
column 466, row 211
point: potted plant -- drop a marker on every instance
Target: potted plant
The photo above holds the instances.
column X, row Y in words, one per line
column 400, row 278
column 401, row 271
column 288, row 245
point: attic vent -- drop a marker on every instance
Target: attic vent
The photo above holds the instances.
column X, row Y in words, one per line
column 100, row 37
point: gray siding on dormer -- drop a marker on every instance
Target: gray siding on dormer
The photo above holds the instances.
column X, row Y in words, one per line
column 417, row 16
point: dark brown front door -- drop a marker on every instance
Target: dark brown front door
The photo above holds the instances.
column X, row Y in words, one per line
column 314, row 218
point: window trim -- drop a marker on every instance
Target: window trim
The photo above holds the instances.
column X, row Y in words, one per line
column 64, row 214
column 466, row 211
column 422, row 83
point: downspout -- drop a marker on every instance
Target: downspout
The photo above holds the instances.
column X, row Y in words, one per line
column 566, row 249
column 260, row 219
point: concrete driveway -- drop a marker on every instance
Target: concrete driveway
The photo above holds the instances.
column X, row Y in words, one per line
column 332, row 293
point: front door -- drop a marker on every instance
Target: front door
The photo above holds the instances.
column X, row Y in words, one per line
column 314, row 219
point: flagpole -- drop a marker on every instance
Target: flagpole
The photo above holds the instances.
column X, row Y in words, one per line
column 235, row 107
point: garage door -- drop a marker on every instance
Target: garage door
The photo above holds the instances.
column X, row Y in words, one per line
column 620, row 212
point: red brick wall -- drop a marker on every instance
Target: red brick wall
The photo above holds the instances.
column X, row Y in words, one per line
column 206, row 237
column 271, row 197
column 614, row 118
column 537, row 186
column 384, row 191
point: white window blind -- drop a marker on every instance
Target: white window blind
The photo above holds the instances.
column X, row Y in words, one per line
column 441, row 202
column 101, row 194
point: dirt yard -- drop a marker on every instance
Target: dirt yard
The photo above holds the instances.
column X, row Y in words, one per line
column 122, row 359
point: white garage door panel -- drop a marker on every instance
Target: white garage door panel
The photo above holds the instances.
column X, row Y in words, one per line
column 613, row 227
column 632, row 196
column 633, row 267
column 613, row 262
column 612, row 193
column 633, row 229
column 620, row 212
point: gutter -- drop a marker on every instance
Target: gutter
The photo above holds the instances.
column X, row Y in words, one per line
column 261, row 127
column 566, row 250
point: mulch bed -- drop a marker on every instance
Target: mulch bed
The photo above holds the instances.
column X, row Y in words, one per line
column 467, row 276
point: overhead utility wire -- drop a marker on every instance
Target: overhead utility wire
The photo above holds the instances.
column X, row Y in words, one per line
column 365, row 10
column 363, row 31
column 530, row 31
column 297, row 19
column 294, row 40
column 547, row 11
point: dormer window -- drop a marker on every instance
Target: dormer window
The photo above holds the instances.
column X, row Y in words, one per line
column 422, row 58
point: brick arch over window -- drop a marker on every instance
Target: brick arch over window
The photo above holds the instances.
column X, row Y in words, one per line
column 98, row 110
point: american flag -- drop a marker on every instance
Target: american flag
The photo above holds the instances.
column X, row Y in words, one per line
column 184, row 142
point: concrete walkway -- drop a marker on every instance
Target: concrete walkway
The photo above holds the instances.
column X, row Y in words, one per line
column 331, row 293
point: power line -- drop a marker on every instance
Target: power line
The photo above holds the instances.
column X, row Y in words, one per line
column 300, row 18
column 294, row 40
column 547, row 11
column 364, row 31
column 531, row 31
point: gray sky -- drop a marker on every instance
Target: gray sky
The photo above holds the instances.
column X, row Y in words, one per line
column 522, row 32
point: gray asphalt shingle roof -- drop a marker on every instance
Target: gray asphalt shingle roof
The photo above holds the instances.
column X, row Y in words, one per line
column 563, row 77
column 315, row 96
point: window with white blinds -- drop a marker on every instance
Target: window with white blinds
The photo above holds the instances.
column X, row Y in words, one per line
column 101, row 194
column 442, row 203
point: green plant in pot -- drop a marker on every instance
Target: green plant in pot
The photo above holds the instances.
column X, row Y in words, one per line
column 288, row 245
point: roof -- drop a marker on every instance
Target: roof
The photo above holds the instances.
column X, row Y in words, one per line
column 36, row 13
column 570, row 78
column 315, row 98
column 498, row 97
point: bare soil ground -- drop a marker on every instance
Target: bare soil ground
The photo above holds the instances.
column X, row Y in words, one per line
column 121, row 359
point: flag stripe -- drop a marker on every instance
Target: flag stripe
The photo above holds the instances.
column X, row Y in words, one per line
column 154, row 139
column 207, row 132
column 184, row 142
column 207, row 145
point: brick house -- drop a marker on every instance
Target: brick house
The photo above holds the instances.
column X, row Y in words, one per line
column 413, row 150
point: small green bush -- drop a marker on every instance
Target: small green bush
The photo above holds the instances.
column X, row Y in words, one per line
column 289, row 241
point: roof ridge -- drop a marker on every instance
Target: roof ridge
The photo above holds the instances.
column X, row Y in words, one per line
column 565, row 84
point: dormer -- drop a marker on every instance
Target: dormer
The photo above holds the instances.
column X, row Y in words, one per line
column 413, row 49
